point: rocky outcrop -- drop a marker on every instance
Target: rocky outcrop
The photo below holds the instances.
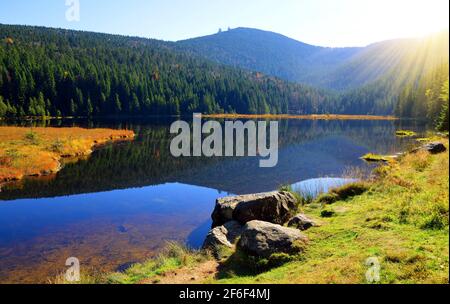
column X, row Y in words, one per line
column 225, row 235
column 262, row 239
column 301, row 222
column 274, row 207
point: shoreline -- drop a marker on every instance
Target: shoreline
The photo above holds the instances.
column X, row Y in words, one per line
column 36, row 152
column 383, row 231
column 300, row 117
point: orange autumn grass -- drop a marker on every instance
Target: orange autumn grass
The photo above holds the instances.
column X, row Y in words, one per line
column 304, row 117
column 38, row 151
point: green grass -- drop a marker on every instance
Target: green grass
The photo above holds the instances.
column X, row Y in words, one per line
column 401, row 219
column 174, row 256
column 301, row 198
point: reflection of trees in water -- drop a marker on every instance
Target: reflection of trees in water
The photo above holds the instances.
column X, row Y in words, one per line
column 308, row 149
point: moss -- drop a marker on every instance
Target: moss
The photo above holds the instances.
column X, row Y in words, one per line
column 405, row 133
column 424, row 139
column 370, row 157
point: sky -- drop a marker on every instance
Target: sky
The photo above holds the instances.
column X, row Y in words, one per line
column 333, row 23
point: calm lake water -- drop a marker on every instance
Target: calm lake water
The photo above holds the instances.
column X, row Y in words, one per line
column 122, row 204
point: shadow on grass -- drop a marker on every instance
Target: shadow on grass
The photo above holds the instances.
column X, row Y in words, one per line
column 241, row 264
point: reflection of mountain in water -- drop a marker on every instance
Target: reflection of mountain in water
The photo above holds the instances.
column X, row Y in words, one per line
column 308, row 149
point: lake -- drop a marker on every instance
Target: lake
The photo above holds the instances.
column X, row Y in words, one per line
column 124, row 202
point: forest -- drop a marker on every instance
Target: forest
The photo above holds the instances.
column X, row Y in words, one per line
column 61, row 73
column 428, row 97
column 52, row 72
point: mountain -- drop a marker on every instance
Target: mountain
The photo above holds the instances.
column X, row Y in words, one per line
column 339, row 69
column 56, row 72
column 401, row 61
column 269, row 53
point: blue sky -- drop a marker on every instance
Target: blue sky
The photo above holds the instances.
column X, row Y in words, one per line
column 320, row 22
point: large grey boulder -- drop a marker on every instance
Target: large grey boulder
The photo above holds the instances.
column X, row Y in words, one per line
column 274, row 207
column 225, row 235
column 302, row 222
column 263, row 239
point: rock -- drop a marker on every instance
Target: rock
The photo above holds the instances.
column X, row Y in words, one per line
column 302, row 222
column 225, row 235
column 263, row 239
column 435, row 147
column 274, row 207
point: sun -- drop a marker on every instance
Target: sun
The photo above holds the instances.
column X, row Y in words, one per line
column 422, row 17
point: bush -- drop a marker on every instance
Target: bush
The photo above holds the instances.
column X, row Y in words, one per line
column 435, row 221
column 342, row 193
column 327, row 198
column 350, row 190
column 32, row 137
column 57, row 146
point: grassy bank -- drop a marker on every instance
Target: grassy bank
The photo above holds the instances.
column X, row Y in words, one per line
column 304, row 117
column 400, row 218
column 38, row 151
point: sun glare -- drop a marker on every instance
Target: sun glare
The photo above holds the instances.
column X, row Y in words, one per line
column 422, row 17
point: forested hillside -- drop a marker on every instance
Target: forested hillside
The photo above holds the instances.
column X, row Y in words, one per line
column 53, row 72
column 428, row 97
column 367, row 80
column 340, row 69
column 270, row 53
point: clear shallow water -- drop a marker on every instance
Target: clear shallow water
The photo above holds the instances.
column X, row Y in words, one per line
column 123, row 203
column 316, row 186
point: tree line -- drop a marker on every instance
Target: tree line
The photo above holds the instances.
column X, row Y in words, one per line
column 62, row 73
column 54, row 72
column 428, row 97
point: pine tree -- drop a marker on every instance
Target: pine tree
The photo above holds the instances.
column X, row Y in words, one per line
column 3, row 108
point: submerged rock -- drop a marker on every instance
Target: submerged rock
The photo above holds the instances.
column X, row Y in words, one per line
column 301, row 222
column 263, row 239
column 274, row 207
column 225, row 235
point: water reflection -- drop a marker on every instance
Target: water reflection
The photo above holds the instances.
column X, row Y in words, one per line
column 104, row 230
column 124, row 202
